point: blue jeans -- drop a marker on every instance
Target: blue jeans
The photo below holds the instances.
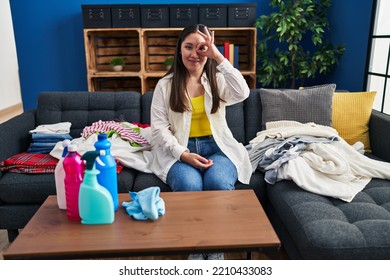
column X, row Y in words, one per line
column 222, row 175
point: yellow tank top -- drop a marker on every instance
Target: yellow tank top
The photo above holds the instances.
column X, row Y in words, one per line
column 200, row 125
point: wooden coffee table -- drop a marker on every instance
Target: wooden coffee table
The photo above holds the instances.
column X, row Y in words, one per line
column 208, row 221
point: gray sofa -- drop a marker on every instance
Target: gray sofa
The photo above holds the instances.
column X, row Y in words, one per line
column 309, row 226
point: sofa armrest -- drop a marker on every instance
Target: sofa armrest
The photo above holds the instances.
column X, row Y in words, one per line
column 380, row 134
column 14, row 134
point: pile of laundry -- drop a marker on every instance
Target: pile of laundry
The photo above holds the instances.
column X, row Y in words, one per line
column 128, row 142
column 315, row 157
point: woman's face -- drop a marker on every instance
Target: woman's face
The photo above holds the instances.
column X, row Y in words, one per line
column 191, row 59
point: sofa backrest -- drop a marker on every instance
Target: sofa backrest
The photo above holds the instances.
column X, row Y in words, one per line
column 252, row 114
column 84, row 108
column 244, row 118
column 235, row 117
column 146, row 103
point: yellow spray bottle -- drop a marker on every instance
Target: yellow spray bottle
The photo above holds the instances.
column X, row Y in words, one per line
column 95, row 202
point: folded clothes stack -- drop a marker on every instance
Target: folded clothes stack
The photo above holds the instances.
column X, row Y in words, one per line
column 45, row 137
column 43, row 143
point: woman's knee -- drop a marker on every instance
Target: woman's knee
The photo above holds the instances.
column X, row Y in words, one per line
column 215, row 183
column 186, row 186
column 222, row 175
column 183, row 177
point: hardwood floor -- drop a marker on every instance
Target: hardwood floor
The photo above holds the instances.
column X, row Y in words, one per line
column 10, row 112
column 230, row 256
column 3, row 242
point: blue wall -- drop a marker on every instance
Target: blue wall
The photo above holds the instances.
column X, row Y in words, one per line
column 350, row 24
column 50, row 44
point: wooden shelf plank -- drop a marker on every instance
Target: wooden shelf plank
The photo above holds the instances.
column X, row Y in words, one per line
column 145, row 50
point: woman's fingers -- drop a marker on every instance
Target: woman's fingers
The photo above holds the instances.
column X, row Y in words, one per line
column 199, row 161
column 209, row 37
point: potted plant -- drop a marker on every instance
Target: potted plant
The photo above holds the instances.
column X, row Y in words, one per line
column 117, row 63
column 292, row 46
column 168, row 62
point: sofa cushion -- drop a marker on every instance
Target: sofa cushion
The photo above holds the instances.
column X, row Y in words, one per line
column 146, row 180
column 311, row 104
column 328, row 228
column 351, row 113
column 256, row 183
column 126, row 180
column 26, row 188
column 82, row 109
column 16, row 216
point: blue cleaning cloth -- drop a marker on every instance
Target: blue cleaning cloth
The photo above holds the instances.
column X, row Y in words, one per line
column 145, row 204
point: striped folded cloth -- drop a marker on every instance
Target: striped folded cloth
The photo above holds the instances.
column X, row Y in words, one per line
column 29, row 163
column 125, row 132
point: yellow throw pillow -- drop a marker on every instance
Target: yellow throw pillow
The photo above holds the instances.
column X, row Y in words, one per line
column 351, row 113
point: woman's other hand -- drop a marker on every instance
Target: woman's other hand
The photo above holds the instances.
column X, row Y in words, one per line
column 195, row 160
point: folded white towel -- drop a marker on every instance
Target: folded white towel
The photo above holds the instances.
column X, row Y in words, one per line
column 60, row 128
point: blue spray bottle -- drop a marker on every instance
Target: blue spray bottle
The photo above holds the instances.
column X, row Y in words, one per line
column 107, row 167
column 95, row 202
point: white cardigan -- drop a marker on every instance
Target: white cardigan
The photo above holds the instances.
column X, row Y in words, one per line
column 170, row 130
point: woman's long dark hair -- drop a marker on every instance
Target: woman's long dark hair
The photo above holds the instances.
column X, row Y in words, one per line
column 178, row 101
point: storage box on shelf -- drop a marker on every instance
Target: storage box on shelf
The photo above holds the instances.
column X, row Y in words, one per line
column 124, row 15
column 243, row 14
column 182, row 15
column 154, row 16
column 145, row 50
column 96, row 16
column 169, row 15
column 213, row 15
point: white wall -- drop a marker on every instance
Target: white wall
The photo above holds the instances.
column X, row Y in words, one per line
column 10, row 94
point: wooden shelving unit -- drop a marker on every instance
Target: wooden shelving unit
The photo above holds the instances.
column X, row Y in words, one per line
column 144, row 51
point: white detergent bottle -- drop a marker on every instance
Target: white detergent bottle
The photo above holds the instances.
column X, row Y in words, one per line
column 59, row 176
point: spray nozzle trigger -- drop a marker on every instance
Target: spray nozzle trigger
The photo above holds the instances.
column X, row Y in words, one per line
column 90, row 158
